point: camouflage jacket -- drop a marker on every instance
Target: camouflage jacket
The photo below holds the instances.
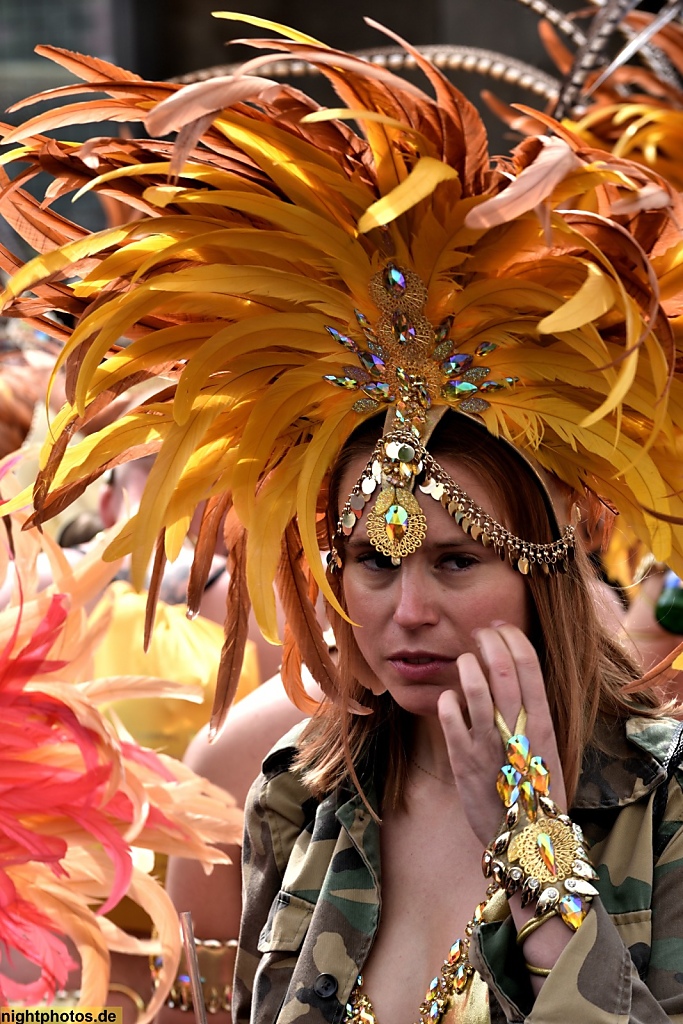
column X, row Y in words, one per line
column 312, row 897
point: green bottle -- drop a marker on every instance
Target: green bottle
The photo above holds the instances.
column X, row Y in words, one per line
column 669, row 607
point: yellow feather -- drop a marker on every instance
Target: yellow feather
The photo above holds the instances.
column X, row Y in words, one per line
column 593, row 299
column 420, row 183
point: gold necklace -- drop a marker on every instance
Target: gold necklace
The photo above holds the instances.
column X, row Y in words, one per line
column 453, row 979
column 446, row 782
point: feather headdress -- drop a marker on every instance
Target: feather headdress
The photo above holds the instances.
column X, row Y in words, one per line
column 631, row 105
column 550, row 305
column 84, row 810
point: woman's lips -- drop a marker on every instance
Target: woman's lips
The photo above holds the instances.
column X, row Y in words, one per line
column 419, row 666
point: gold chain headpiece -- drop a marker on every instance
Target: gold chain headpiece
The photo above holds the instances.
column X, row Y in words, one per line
column 397, row 526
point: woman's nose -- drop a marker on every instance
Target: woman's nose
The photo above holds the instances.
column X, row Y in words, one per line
column 416, row 596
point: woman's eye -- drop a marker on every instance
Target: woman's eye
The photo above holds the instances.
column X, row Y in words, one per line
column 375, row 561
column 458, row 561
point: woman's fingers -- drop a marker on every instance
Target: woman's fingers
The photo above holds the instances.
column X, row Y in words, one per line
column 532, row 694
column 502, row 672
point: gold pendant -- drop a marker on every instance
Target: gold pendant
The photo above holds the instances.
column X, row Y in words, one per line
column 396, row 524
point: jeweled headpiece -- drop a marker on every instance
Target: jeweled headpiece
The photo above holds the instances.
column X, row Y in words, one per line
column 290, row 276
column 407, row 363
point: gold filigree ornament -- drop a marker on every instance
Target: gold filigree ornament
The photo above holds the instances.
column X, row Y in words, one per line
column 545, row 849
column 539, row 851
column 396, row 524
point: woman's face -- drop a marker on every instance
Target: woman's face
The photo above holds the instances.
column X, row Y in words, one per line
column 416, row 619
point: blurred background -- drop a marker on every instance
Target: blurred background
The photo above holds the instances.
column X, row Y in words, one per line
column 165, row 38
column 162, row 39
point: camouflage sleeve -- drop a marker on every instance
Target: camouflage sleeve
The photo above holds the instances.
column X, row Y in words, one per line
column 665, row 974
column 273, row 820
column 595, row 980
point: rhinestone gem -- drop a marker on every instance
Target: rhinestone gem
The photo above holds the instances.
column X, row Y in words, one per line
column 527, row 797
column 396, row 518
column 441, row 332
column 572, row 910
column 459, row 362
column 539, row 776
column 403, row 327
column 518, row 751
column 343, row 339
column 372, row 363
column 491, row 385
column 379, row 389
column 458, row 388
column 507, row 784
column 546, row 849
column 486, row 859
column 461, row 978
column 485, row 348
column 394, row 280
column 456, row 951
column 342, row 382
column 434, row 1011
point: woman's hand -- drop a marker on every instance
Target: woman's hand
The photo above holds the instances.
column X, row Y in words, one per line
column 506, row 673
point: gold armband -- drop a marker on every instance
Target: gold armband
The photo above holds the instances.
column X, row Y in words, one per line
column 216, row 961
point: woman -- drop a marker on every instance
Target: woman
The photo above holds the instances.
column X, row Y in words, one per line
column 294, row 278
column 439, row 641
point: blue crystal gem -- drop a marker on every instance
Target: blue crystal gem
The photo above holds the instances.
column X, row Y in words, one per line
column 458, row 363
column 458, row 388
column 394, row 279
column 347, row 342
column 485, row 347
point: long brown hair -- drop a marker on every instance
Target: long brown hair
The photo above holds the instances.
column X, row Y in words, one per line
column 585, row 669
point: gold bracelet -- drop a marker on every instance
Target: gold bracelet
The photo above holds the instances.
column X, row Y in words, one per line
column 532, row 924
column 540, row 972
column 125, row 990
column 216, row 968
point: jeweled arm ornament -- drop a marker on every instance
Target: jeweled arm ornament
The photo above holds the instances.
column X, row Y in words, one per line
column 539, row 852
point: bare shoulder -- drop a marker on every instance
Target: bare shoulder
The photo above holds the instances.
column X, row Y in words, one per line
column 253, row 726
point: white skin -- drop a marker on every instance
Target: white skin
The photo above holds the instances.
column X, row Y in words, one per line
column 445, row 634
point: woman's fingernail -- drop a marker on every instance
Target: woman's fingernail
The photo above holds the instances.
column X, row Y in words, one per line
column 498, row 622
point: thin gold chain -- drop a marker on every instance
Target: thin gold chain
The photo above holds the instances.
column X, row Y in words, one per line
column 446, row 782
